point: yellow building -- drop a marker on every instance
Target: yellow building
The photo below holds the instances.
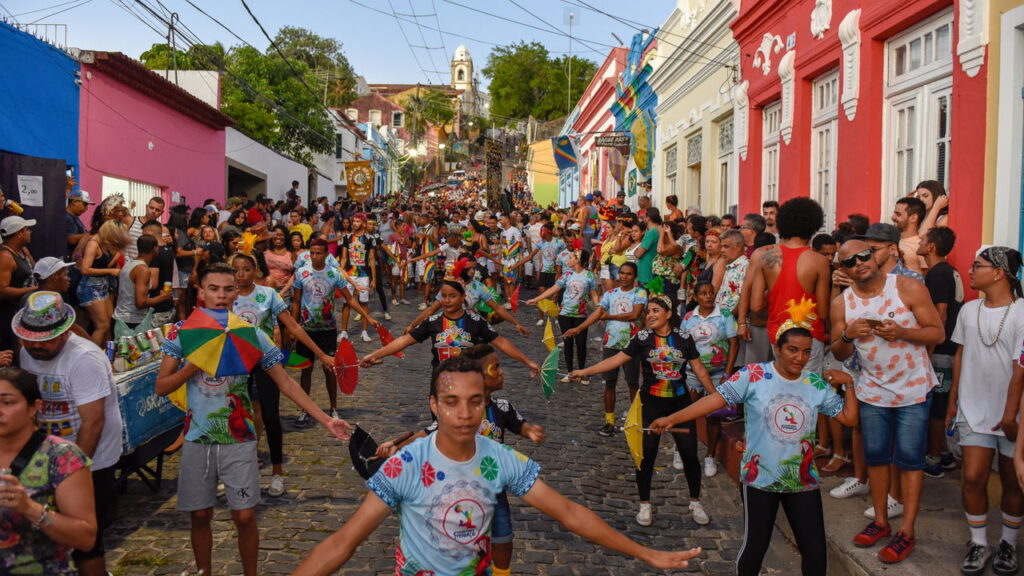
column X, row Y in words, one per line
column 1003, row 26
column 694, row 74
column 542, row 174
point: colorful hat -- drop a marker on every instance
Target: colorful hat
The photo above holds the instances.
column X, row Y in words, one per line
column 44, row 317
column 801, row 315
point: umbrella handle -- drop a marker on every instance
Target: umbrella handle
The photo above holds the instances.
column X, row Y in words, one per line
column 672, row 430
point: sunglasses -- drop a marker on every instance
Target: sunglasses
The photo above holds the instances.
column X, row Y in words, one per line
column 862, row 256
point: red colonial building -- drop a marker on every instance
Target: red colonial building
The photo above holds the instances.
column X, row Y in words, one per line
column 853, row 102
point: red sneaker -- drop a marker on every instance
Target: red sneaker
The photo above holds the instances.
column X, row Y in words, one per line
column 897, row 550
column 871, row 535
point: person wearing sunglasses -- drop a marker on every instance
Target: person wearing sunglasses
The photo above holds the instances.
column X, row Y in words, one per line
column 889, row 320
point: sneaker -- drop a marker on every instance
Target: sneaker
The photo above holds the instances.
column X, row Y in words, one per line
column 607, row 430
column 565, row 380
column 585, row 381
column 677, row 461
column 1005, row 562
column 894, row 507
column 387, row 315
column 645, row 517
column 851, row 487
column 710, row 467
column 897, row 550
column 871, row 535
column 394, row 301
column 302, row 421
column 276, row 486
column 507, row 305
column 357, row 318
column 540, row 322
column 334, row 413
column 948, row 461
column 700, row 516
column 975, row 559
column 405, row 302
column 364, row 336
column 343, row 335
column 934, row 470
column 422, row 306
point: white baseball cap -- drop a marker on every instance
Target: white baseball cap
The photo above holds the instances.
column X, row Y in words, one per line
column 13, row 224
column 49, row 266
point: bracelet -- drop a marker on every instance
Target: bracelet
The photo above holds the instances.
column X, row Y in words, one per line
column 45, row 519
column 843, row 336
column 741, row 324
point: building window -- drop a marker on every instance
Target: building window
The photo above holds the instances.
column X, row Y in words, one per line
column 824, row 127
column 338, row 146
column 772, row 119
column 671, row 169
column 461, row 76
column 397, row 119
column 375, row 117
column 726, row 198
column 134, row 192
column 694, row 147
column 352, row 114
column 918, row 114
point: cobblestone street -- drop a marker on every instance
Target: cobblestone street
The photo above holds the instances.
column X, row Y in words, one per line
column 150, row 537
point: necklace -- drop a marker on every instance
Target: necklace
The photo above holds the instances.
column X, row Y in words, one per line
column 1002, row 323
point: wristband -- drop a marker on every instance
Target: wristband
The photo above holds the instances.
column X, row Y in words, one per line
column 843, row 336
column 741, row 324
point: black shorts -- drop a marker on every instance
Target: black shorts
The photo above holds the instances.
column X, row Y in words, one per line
column 327, row 340
column 547, row 279
column 104, row 489
column 940, row 402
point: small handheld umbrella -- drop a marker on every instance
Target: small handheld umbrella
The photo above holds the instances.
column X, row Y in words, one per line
column 219, row 342
column 363, row 450
column 634, row 430
column 549, row 371
column 297, row 361
column 548, row 307
column 386, row 337
column 549, row 336
column 346, row 367
column 513, row 300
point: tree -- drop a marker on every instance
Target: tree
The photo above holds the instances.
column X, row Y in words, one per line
column 526, row 81
column 324, row 58
column 426, row 108
column 197, row 57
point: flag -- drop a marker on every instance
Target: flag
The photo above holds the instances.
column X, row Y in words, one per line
column 549, row 335
column 565, row 152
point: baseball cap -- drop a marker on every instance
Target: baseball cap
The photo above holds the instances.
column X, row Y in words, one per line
column 12, row 224
column 211, row 208
column 81, row 195
column 574, row 227
column 45, row 316
column 879, row 232
column 588, row 197
column 46, row 267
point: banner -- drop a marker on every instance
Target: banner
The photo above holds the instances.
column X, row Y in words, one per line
column 617, row 165
column 495, row 154
column 643, row 143
column 565, row 152
column 618, row 140
column 359, row 178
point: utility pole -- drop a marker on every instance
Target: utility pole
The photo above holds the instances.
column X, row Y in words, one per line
column 568, row 97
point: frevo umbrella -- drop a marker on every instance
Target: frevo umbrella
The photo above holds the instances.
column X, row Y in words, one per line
column 219, row 342
column 549, row 372
column 547, row 307
column 363, row 450
column 346, row 367
column 386, row 337
column 513, row 300
column 549, row 336
column 634, row 430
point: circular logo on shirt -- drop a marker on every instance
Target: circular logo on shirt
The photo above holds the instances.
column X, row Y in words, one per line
column 247, row 315
column 788, row 415
column 212, row 385
column 316, row 287
column 464, row 520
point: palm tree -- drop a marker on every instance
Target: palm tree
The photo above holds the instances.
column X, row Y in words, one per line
column 425, row 109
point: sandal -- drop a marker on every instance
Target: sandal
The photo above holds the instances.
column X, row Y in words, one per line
column 835, row 464
column 821, row 451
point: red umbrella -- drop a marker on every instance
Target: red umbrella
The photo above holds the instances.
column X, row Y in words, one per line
column 387, row 338
column 514, row 300
column 346, row 367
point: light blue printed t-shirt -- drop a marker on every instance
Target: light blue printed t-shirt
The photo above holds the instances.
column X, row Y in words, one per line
column 445, row 507
column 260, row 308
column 711, row 335
column 576, row 288
column 619, row 301
column 549, row 251
column 781, row 418
column 317, row 311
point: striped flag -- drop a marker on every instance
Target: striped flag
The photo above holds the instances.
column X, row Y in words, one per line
column 565, row 152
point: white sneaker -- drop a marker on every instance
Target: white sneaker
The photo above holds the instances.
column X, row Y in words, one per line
column 404, row 301
column 334, row 413
column 422, row 306
column 394, row 301
column 851, row 487
column 507, row 305
column 365, row 337
column 700, row 516
column 387, row 316
column 565, row 380
column 358, row 317
column 894, row 510
column 540, row 322
column 343, row 335
column 276, row 486
column 677, row 460
column 710, row 467
column 645, row 517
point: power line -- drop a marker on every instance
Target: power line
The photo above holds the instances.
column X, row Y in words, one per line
column 38, row 9
column 394, row 14
column 62, row 10
column 524, row 24
column 423, row 37
column 439, row 34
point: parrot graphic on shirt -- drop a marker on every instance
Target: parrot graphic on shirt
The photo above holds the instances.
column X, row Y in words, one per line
column 808, row 473
column 750, row 469
column 240, row 420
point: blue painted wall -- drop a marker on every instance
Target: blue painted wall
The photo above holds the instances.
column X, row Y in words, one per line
column 39, row 99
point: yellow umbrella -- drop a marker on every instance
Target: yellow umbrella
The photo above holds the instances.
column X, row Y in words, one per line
column 547, row 307
column 549, row 336
column 634, row 430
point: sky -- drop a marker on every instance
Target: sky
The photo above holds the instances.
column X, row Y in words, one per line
column 370, row 31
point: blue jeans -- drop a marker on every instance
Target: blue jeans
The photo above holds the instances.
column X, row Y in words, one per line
column 501, row 525
column 895, row 435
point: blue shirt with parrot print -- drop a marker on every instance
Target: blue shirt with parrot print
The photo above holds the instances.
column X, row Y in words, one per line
column 781, row 417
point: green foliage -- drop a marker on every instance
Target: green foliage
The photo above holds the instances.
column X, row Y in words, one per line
column 426, row 108
column 324, row 59
column 411, row 173
column 526, row 81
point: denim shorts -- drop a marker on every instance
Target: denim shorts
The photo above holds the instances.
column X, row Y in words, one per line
column 970, row 437
column 895, row 435
column 501, row 526
column 92, row 289
column 693, row 384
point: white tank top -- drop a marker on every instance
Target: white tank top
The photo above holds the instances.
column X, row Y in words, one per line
column 892, row 374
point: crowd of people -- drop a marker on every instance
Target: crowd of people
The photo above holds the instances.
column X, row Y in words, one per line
column 846, row 346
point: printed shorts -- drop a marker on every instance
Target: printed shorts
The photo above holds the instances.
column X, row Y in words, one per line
column 92, row 289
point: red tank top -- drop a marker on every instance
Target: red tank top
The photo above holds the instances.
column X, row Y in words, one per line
column 787, row 287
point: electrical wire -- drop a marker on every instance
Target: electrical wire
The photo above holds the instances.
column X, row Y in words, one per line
column 423, row 37
column 394, row 15
column 61, row 11
column 549, row 30
column 39, row 9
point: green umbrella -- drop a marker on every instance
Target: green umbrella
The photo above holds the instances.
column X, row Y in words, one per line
column 549, row 371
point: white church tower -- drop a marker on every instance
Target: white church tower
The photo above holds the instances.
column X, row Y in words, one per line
column 462, row 70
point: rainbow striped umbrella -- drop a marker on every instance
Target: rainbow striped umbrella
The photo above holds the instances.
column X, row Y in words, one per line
column 219, row 342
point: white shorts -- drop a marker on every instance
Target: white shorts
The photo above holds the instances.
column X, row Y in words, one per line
column 605, row 273
column 362, row 289
column 396, row 270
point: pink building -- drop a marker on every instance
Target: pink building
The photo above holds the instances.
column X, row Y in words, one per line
column 142, row 136
column 601, row 168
